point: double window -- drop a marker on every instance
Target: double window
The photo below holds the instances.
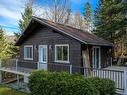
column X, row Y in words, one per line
column 28, row 52
column 62, row 53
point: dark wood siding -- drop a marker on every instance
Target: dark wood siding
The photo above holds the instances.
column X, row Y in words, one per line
column 105, row 56
column 47, row 36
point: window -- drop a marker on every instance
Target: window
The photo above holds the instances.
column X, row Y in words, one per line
column 28, row 52
column 62, row 53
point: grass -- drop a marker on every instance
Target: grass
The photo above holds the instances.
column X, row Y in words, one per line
column 9, row 91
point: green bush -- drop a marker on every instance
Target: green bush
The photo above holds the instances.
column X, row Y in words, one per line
column 104, row 86
column 47, row 83
column 55, row 83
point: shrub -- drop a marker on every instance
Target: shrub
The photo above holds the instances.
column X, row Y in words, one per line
column 47, row 83
column 104, row 86
column 55, row 83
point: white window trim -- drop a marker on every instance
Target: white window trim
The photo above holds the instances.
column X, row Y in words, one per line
column 60, row 61
column 46, row 52
column 32, row 52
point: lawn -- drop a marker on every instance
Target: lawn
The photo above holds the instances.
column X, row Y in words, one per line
column 9, row 91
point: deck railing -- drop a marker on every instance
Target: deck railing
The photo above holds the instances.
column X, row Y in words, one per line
column 119, row 77
column 13, row 65
column 9, row 63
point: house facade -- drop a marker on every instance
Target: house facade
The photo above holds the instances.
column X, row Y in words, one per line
column 44, row 43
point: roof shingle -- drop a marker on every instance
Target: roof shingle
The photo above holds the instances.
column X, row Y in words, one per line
column 78, row 34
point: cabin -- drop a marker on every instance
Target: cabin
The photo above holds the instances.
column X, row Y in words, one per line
column 48, row 45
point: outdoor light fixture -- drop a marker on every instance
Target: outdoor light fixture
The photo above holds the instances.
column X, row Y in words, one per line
column 35, row 47
column 50, row 46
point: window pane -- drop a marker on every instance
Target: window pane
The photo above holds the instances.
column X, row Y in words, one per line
column 62, row 53
column 97, row 57
column 44, row 55
column 25, row 54
column 28, row 52
column 65, row 53
column 59, row 53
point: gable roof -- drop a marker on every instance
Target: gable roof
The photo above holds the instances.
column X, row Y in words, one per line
column 80, row 35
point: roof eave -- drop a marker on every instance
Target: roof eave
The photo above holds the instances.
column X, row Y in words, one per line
column 17, row 42
column 44, row 23
column 96, row 44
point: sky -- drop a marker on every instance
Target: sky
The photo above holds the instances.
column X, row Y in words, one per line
column 10, row 12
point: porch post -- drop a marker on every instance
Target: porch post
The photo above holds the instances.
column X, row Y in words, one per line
column 70, row 69
column 16, row 64
column 38, row 67
column 125, row 82
column 112, row 55
column 111, row 60
column 26, row 79
column 18, row 81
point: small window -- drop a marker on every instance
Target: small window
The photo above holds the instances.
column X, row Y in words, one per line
column 28, row 52
column 62, row 53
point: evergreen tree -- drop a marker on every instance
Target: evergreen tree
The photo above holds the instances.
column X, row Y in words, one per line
column 4, row 46
column 26, row 16
column 107, row 16
column 111, row 23
column 88, row 16
column 122, row 41
column 88, row 12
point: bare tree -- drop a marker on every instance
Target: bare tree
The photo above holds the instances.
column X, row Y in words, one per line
column 29, row 3
column 78, row 21
column 57, row 10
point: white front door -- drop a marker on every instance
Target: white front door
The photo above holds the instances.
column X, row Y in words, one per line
column 43, row 57
column 96, row 57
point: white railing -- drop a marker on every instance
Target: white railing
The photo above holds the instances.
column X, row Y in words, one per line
column 119, row 77
column 125, row 82
column 9, row 64
column 14, row 66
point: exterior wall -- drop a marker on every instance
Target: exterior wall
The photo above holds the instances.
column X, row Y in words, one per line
column 47, row 36
column 105, row 56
